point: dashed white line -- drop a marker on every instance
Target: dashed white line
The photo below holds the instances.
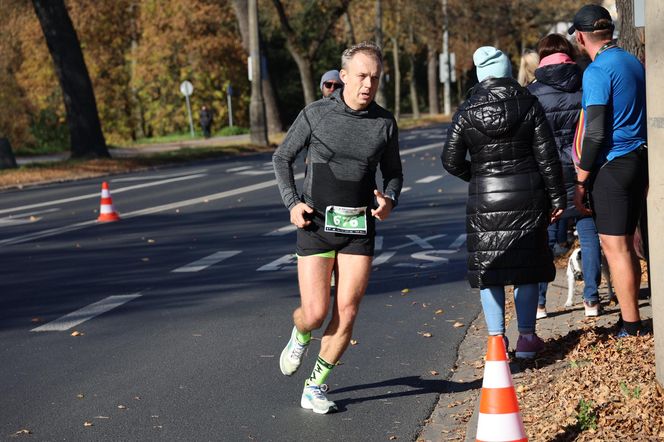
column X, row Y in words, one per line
column 206, row 262
column 382, row 258
column 86, row 313
column 458, row 241
column 419, row 149
column 255, row 172
column 281, row 231
column 238, row 169
column 429, row 179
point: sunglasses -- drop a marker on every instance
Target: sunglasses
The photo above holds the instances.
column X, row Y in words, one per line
column 331, row 85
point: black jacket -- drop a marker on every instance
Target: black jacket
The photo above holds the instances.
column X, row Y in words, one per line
column 558, row 88
column 515, row 179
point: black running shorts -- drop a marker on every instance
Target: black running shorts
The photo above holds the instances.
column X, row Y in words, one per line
column 314, row 240
column 618, row 193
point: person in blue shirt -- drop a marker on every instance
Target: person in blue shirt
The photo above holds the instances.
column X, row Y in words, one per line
column 613, row 172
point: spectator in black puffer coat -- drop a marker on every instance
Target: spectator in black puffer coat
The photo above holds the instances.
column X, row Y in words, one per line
column 558, row 88
column 516, row 190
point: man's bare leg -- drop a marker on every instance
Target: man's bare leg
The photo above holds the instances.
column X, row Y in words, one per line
column 313, row 274
column 352, row 280
column 625, row 272
column 314, row 277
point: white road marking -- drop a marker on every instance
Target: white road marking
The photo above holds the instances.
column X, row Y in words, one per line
column 147, row 211
column 420, row 149
column 286, row 261
column 429, row 257
column 237, row 169
column 422, row 242
column 281, row 231
column 206, row 262
column 378, row 243
column 24, row 218
column 458, row 242
column 382, row 258
column 429, row 179
column 86, row 313
column 96, row 194
column 255, row 172
column 406, row 189
column 156, row 177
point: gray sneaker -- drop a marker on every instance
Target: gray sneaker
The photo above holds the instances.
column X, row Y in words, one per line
column 291, row 355
column 313, row 398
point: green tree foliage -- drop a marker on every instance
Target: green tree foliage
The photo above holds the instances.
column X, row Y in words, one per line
column 137, row 52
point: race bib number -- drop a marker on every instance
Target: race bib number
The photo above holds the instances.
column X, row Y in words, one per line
column 348, row 220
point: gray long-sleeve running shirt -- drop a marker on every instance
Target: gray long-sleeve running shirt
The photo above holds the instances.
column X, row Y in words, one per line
column 345, row 147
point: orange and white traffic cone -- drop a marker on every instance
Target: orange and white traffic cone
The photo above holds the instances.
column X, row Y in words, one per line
column 107, row 212
column 499, row 418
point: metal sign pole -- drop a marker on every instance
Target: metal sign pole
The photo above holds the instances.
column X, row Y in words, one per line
column 229, row 93
column 191, row 121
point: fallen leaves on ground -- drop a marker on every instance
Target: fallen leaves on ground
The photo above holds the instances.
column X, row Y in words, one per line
column 353, row 342
column 458, row 324
column 602, row 389
column 76, row 333
column 425, row 334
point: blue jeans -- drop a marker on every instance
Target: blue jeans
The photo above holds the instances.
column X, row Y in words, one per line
column 591, row 261
column 493, row 304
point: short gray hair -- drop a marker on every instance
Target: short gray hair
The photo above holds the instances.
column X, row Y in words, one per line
column 366, row 47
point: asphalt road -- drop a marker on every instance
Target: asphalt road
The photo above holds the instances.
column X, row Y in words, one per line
column 184, row 305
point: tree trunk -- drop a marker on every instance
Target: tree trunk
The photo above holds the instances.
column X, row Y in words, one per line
column 414, row 102
column 258, row 134
column 87, row 139
column 397, row 79
column 137, row 115
column 631, row 39
column 7, row 159
column 349, row 29
column 380, row 94
column 272, row 113
column 306, row 77
column 432, row 79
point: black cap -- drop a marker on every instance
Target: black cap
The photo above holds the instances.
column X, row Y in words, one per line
column 586, row 19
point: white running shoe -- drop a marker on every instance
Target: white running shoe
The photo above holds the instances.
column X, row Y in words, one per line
column 291, row 355
column 313, row 398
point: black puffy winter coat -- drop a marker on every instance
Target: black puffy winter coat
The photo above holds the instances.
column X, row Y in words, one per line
column 515, row 180
column 558, row 88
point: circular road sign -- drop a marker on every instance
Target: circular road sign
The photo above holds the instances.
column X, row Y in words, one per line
column 186, row 88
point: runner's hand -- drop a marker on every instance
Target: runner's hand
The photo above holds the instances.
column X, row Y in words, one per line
column 385, row 205
column 297, row 215
column 579, row 200
column 555, row 215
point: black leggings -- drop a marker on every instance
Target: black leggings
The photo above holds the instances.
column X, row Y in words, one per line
column 618, row 193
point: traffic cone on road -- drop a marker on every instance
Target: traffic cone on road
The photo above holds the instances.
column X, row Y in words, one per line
column 107, row 212
column 499, row 418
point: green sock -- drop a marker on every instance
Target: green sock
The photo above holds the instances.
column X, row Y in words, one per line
column 321, row 371
column 303, row 338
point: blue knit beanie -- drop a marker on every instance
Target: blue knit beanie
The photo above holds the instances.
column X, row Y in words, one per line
column 329, row 76
column 491, row 62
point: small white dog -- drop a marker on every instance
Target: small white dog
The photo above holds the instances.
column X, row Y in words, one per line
column 575, row 273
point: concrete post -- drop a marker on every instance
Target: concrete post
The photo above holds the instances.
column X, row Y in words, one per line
column 655, row 104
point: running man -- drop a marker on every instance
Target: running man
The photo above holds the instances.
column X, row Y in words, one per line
column 347, row 136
